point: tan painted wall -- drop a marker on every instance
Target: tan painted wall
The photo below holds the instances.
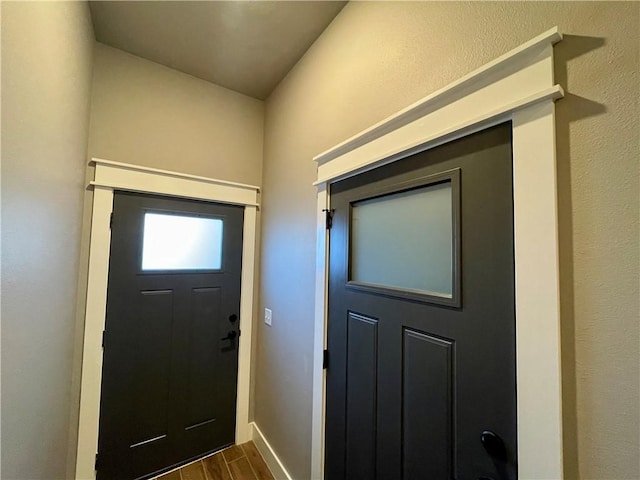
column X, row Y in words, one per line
column 377, row 58
column 148, row 114
column 47, row 51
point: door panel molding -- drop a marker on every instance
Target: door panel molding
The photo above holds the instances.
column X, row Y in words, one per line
column 111, row 175
column 361, row 395
column 422, row 437
column 517, row 87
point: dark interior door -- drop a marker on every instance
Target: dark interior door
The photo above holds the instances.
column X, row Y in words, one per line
column 421, row 379
column 170, row 345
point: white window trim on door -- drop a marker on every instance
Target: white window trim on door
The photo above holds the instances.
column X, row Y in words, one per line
column 517, row 87
column 110, row 176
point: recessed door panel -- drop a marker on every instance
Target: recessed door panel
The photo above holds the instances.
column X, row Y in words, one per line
column 362, row 387
column 151, row 365
column 204, row 352
column 427, row 407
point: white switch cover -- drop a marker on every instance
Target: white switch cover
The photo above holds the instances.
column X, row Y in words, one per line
column 267, row 316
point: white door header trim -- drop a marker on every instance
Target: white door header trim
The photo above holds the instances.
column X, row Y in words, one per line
column 158, row 171
column 447, row 94
column 491, row 94
column 135, row 178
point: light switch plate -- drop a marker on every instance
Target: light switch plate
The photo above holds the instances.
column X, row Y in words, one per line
column 267, row 316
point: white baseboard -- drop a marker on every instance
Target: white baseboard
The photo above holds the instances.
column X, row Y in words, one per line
column 270, row 457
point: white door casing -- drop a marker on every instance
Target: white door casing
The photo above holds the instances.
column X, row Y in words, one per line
column 110, row 176
column 517, row 87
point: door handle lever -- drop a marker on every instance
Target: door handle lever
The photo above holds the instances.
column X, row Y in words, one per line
column 230, row 336
column 494, row 446
column 497, row 450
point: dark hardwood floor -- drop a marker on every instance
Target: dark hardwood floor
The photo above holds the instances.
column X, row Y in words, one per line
column 238, row 462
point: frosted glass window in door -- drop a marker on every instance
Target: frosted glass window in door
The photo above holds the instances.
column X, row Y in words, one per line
column 405, row 240
column 175, row 242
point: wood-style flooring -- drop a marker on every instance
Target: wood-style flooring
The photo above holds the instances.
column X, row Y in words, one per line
column 238, row 462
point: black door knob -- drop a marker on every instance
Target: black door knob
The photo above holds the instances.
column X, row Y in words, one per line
column 230, row 336
column 494, row 446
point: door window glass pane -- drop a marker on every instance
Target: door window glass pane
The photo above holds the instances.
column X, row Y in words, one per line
column 405, row 240
column 174, row 242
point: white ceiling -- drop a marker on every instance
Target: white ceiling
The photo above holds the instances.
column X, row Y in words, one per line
column 247, row 46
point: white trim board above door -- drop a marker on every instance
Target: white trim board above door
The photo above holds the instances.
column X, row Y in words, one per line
column 517, row 87
column 110, row 176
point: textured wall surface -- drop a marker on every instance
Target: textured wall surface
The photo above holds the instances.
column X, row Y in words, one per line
column 376, row 58
column 148, row 114
column 47, row 52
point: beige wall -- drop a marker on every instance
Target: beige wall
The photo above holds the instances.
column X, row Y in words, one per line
column 46, row 77
column 377, row 58
column 148, row 114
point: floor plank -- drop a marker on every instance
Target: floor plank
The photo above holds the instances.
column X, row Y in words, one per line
column 175, row 475
column 193, row 471
column 241, row 469
column 216, row 468
column 238, row 462
column 234, row 452
column 257, row 462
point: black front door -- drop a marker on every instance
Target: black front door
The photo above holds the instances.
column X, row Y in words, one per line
column 170, row 344
column 421, row 379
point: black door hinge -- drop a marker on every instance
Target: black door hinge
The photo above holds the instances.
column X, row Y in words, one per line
column 328, row 217
column 325, row 359
column 111, row 220
column 95, row 465
column 104, row 333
